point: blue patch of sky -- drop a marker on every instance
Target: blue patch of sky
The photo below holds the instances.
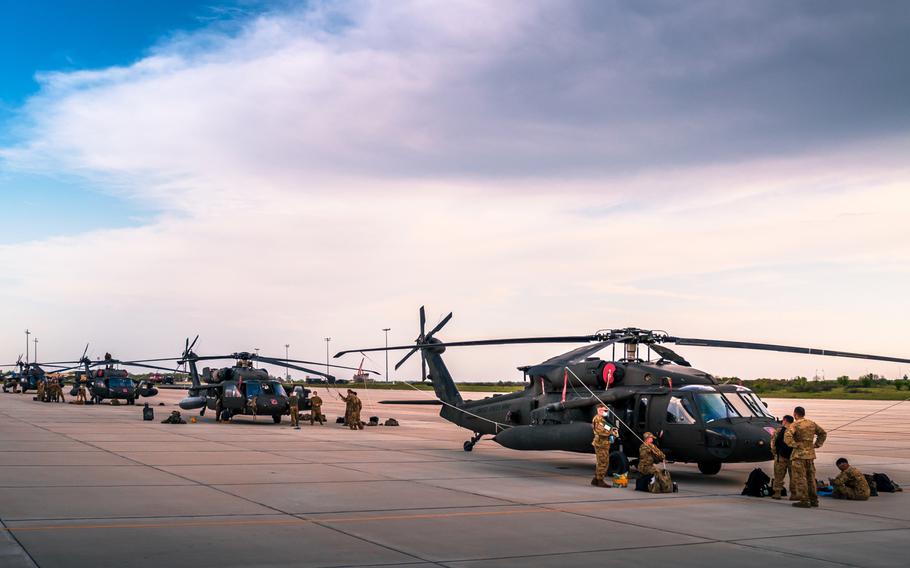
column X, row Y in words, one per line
column 71, row 35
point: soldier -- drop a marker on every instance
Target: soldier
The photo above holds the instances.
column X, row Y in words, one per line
column 174, row 418
column 356, row 406
column 780, row 452
column 850, row 483
column 316, row 410
column 348, row 405
column 804, row 436
column 81, row 395
column 649, row 455
column 604, row 434
column 294, row 409
column 41, row 388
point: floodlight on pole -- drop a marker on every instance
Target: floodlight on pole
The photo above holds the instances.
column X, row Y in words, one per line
column 387, row 330
column 327, row 340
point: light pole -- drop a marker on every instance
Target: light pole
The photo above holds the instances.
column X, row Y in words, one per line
column 287, row 373
column 27, row 333
column 387, row 330
column 327, row 340
column 36, row 349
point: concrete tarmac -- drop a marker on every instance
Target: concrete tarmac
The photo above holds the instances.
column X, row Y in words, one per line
column 97, row 486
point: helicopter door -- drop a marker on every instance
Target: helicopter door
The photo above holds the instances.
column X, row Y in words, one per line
column 681, row 427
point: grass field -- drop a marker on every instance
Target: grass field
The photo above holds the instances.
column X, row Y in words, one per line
column 839, row 393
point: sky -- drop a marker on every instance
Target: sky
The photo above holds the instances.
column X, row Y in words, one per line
column 270, row 173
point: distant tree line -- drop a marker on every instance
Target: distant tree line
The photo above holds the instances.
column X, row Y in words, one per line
column 804, row 384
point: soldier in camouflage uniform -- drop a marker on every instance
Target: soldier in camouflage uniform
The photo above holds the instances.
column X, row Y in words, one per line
column 356, row 406
column 316, row 410
column 40, row 393
column 604, row 434
column 781, row 452
column 804, row 436
column 82, row 393
column 850, row 483
column 348, row 405
column 649, row 455
column 294, row 410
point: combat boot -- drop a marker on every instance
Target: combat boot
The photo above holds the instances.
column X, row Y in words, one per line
column 802, row 505
column 776, row 496
column 597, row 482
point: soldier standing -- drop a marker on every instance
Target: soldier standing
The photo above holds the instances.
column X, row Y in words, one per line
column 348, row 405
column 41, row 388
column 603, row 438
column 295, row 410
column 316, row 410
column 850, row 483
column 781, row 452
column 649, row 455
column 81, row 395
column 356, row 406
column 804, row 436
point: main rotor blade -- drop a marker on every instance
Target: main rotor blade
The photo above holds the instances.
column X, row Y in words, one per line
column 669, row 354
column 423, row 322
column 193, row 344
column 136, row 364
column 781, row 348
column 280, row 361
column 310, row 371
column 506, row 341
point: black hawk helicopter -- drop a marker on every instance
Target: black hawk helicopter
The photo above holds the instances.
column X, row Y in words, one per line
column 28, row 376
column 243, row 389
column 699, row 420
column 104, row 381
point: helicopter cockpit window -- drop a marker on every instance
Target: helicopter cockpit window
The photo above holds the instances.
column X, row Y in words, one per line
column 715, row 407
column 253, row 389
column 120, row 383
column 680, row 411
column 741, row 406
column 756, row 404
column 278, row 388
column 267, row 388
column 231, row 390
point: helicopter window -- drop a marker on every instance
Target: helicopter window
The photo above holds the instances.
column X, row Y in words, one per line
column 741, row 406
column 231, row 390
column 756, row 404
column 253, row 389
column 642, row 417
column 120, row 383
column 279, row 390
column 680, row 411
column 715, row 407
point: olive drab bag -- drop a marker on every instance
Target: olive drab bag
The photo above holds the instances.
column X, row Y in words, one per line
column 661, row 482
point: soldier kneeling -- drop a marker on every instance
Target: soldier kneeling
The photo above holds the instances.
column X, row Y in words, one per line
column 174, row 418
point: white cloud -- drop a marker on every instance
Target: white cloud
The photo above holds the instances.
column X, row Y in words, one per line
column 327, row 171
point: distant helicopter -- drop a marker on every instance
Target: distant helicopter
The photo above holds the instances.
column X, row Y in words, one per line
column 28, row 376
column 698, row 419
column 104, row 381
column 243, row 389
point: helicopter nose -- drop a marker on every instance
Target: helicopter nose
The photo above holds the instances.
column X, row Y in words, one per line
column 752, row 443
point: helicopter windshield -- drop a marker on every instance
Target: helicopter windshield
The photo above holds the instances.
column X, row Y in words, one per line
column 279, row 389
column 715, row 407
column 120, row 383
column 680, row 410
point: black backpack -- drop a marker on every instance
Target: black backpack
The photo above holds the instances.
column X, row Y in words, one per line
column 643, row 483
column 884, row 484
column 870, row 481
column 757, row 484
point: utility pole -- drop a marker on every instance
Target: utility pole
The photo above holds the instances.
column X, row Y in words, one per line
column 36, row 349
column 27, row 333
column 287, row 373
column 387, row 330
column 327, row 340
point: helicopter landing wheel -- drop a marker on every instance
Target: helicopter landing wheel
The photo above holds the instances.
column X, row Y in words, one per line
column 276, row 418
column 709, row 468
column 469, row 444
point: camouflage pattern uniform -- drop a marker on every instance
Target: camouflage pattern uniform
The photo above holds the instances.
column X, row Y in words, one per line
column 356, row 406
column 295, row 410
column 316, row 412
column 348, row 405
column 851, row 484
column 601, row 443
column 804, row 436
column 648, row 455
column 781, row 453
column 41, row 388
